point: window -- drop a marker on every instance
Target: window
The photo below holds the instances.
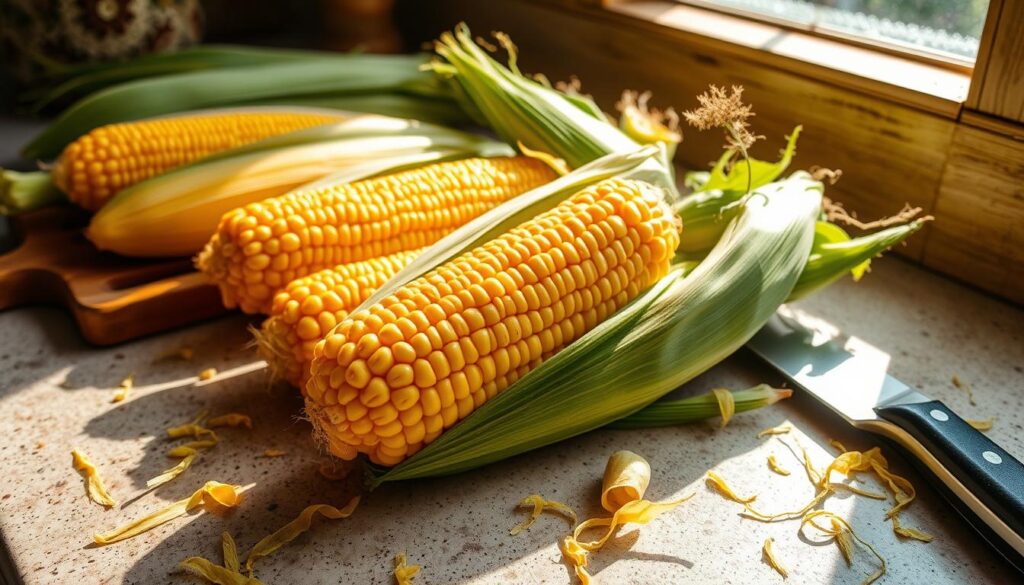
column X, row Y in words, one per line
column 946, row 30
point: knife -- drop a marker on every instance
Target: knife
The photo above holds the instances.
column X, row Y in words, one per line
column 980, row 479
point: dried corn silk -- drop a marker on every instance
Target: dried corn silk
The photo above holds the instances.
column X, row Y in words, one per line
column 771, row 559
column 726, row 404
column 214, row 497
column 404, row 572
column 293, row 529
column 274, row 453
column 540, row 504
column 844, row 536
column 94, row 487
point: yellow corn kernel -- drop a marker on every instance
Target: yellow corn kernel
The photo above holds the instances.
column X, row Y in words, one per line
column 110, row 158
column 455, row 379
column 261, row 247
column 309, row 307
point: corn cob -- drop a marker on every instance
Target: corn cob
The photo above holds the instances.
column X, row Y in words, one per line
column 95, row 167
column 390, row 379
column 303, row 313
column 258, row 249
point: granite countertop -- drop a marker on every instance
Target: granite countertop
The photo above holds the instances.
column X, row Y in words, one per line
column 57, row 393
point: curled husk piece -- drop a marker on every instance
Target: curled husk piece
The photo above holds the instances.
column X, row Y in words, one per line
column 769, row 556
column 293, row 529
column 626, row 478
column 214, row 497
column 540, row 504
column 94, row 487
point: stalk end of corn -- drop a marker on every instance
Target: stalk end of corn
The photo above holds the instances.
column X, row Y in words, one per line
column 21, row 192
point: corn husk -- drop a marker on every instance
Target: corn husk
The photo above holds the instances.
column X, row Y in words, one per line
column 834, row 254
column 344, row 75
column 174, row 214
column 69, row 82
column 665, row 413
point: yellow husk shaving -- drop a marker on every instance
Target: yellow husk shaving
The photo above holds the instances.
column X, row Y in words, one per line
column 724, row 489
column 626, row 478
column 275, row 453
column 214, row 497
column 228, row 574
column 230, row 549
column 773, row 562
column 726, row 404
column 188, row 452
column 540, row 504
column 403, row 572
column 94, row 487
column 124, row 388
column 841, row 531
column 965, row 387
column 203, row 568
column 189, row 430
column 774, row 466
column 293, row 529
column 779, row 430
column 232, row 419
column 207, row 374
column 173, row 472
column 981, row 425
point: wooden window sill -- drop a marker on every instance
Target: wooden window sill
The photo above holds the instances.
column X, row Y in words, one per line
column 904, row 80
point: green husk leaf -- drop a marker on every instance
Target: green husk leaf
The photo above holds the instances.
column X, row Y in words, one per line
column 79, row 80
column 21, row 192
column 674, row 331
column 665, row 413
column 520, row 109
column 832, row 256
column 733, row 177
column 435, row 110
column 707, row 210
column 347, row 75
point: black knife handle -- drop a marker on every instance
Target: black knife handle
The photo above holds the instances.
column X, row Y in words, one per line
column 991, row 474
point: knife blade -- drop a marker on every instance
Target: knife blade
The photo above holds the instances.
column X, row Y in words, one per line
column 850, row 376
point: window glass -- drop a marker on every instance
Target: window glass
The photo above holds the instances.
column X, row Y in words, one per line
column 946, row 28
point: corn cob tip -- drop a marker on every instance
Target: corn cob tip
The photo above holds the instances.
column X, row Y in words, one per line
column 212, row 262
column 271, row 345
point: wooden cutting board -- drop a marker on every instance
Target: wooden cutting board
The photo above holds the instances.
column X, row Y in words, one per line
column 113, row 299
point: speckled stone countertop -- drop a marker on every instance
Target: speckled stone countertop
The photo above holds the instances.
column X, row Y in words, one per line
column 56, row 393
